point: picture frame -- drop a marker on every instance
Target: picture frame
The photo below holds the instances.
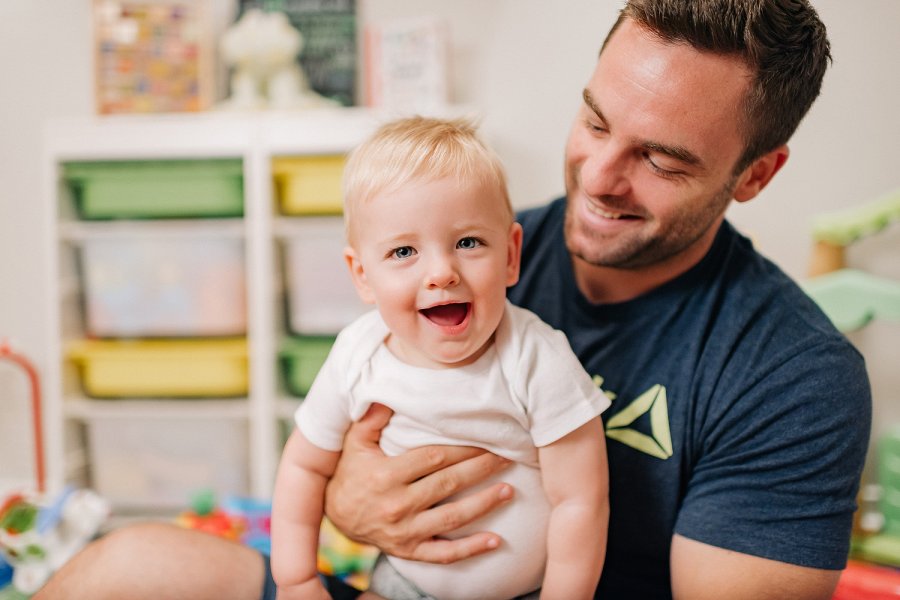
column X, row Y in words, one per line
column 153, row 56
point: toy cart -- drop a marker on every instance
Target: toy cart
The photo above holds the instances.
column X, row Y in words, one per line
column 9, row 356
column 39, row 534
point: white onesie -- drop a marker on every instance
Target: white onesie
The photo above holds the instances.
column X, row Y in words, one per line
column 526, row 391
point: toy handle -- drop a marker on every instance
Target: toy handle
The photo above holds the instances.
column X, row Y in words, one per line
column 7, row 354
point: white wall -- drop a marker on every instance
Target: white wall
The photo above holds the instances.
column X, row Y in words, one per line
column 523, row 64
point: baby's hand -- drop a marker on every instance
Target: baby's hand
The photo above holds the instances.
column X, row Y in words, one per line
column 311, row 589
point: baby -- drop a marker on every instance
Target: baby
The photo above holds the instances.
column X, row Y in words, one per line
column 433, row 245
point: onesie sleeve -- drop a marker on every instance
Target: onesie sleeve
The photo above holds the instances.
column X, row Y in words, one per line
column 324, row 414
column 778, row 472
column 557, row 393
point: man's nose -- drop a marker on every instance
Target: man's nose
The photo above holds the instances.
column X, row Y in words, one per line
column 606, row 172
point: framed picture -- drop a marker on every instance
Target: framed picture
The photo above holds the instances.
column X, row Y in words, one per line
column 153, row 56
column 406, row 64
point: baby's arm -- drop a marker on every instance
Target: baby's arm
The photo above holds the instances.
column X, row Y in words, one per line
column 297, row 515
column 576, row 480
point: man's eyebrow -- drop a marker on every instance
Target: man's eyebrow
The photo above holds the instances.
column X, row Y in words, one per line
column 679, row 153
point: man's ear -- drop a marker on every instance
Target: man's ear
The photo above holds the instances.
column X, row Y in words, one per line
column 358, row 275
column 760, row 172
column 513, row 254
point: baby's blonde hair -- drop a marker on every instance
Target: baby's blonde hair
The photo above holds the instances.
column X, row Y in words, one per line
column 419, row 148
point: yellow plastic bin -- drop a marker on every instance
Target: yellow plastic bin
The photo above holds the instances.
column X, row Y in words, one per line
column 157, row 189
column 189, row 368
column 309, row 185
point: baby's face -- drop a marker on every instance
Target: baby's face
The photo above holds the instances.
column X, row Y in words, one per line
column 436, row 258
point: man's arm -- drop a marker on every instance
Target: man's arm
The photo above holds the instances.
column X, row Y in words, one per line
column 704, row 572
column 390, row 502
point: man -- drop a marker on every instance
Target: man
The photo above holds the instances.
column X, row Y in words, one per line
column 741, row 417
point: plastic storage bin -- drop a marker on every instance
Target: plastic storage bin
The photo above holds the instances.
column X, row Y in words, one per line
column 301, row 359
column 889, row 476
column 309, row 185
column 164, row 287
column 165, row 368
column 157, row 189
column 164, row 461
column 321, row 297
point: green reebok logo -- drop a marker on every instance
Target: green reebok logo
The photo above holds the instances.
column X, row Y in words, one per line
column 659, row 442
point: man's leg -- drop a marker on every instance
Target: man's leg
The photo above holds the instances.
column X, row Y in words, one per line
column 156, row 561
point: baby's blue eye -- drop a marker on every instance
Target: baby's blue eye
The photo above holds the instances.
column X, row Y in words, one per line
column 403, row 252
column 468, row 243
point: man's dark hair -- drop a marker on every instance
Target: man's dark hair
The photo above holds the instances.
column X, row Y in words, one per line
column 782, row 41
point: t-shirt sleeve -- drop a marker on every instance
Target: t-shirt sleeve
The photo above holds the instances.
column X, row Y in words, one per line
column 324, row 414
column 778, row 475
column 558, row 394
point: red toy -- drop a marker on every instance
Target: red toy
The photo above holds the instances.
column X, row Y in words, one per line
column 862, row 581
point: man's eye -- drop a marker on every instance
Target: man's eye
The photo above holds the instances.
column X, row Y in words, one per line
column 594, row 127
column 662, row 172
column 468, row 243
column 403, row 252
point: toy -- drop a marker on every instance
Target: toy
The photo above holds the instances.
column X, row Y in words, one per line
column 7, row 354
column 852, row 298
column 860, row 581
column 344, row 558
column 262, row 48
column 833, row 232
column 249, row 521
column 206, row 516
column 37, row 539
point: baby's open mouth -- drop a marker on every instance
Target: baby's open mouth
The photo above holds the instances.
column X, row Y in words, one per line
column 447, row 315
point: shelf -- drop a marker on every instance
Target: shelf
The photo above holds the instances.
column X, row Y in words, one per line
column 285, row 227
column 80, row 231
column 74, row 421
column 82, row 407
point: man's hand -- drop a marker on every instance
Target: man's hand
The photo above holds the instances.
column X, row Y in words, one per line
column 390, row 502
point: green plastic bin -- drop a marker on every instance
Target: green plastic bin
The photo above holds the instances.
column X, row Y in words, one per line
column 301, row 358
column 157, row 189
column 889, row 478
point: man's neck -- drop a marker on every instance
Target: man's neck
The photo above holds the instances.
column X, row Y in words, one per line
column 611, row 285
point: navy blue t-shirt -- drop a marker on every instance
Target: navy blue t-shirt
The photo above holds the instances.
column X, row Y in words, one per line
column 741, row 416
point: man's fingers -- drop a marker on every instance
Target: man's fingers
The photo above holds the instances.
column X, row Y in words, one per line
column 367, row 431
column 444, row 518
column 469, row 465
column 447, row 551
column 452, row 477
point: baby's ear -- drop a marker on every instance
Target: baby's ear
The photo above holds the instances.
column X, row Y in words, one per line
column 514, row 254
column 358, row 275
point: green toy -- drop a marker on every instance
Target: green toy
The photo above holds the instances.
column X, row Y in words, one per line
column 852, row 298
column 845, row 227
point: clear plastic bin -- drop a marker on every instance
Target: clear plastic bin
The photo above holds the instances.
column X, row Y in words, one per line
column 322, row 299
column 164, row 461
column 164, row 287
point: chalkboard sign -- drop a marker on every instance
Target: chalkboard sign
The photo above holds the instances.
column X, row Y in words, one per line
column 328, row 56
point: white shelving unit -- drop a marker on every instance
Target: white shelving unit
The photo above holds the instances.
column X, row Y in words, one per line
column 255, row 139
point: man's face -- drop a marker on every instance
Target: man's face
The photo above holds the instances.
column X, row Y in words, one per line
column 650, row 157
